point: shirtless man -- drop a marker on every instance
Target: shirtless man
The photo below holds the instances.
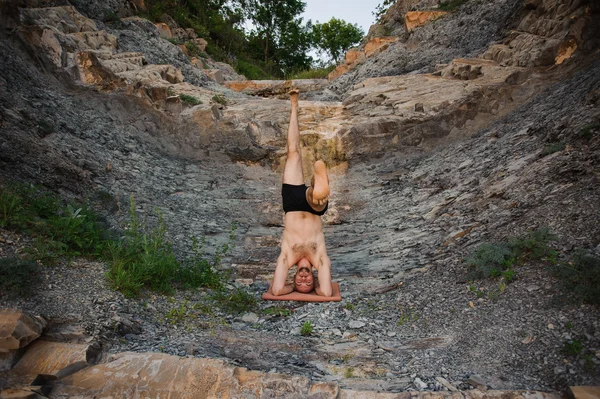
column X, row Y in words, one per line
column 303, row 241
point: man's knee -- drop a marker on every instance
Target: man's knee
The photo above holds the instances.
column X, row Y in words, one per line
column 293, row 153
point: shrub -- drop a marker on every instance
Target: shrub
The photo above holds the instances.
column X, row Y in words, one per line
column 251, row 71
column 589, row 131
column 552, row 148
column 307, row 329
column 219, row 99
column 145, row 259
column 191, row 100
column 277, row 311
column 17, row 276
column 71, row 230
column 498, row 259
column 581, row 276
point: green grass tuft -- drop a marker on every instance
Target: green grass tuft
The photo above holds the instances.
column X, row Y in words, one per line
column 307, row 329
column 219, row 99
column 191, row 100
column 235, row 301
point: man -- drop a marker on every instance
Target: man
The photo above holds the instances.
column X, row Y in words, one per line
column 303, row 241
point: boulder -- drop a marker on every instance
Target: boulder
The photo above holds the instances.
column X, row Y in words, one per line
column 216, row 75
column 414, row 19
column 164, row 30
column 18, row 329
column 161, row 375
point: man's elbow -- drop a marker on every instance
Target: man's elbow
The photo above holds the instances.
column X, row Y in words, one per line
column 278, row 291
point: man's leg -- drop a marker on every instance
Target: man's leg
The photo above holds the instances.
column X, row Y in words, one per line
column 292, row 174
column 317, row 194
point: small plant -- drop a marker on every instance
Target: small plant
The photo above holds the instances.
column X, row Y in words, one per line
column 589, row 131
column 573, row 348
column 476, row 291
column 407, row 316
column 552, row 148
column 110, row 16
column 174, row 40
column 219, row 99
column 191, row 100
column 349, row 373
column 489, row 260
column 236, row 301
column 569, row 325
column 277, row 311
column 349, row 306
column 508, row 275
column 18, row 277
column 581, row 276
column 307, row 329
column 178, row 314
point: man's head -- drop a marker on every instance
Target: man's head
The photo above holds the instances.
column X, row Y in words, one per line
column 304, row 281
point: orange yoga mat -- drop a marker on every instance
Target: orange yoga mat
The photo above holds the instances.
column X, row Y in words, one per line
column 311, row 297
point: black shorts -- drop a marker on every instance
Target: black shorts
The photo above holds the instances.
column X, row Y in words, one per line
column 294, row 199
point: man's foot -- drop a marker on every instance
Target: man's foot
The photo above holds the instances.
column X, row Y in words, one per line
column 294, row 96
column 320, row 184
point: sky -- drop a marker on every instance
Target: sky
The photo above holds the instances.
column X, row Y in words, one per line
column 353, row 11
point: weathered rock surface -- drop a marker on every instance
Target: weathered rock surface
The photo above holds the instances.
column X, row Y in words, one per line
column 415, row 19
column 18, row 329
column 425, row 168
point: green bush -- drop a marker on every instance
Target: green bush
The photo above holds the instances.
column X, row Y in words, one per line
column 71, row 230
column 191, row 100
column 18, row 277
column 251, row 71
column 580, row 276
column 145, row 259
column 498, row 259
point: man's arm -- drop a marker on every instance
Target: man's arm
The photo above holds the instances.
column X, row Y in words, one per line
column 323, row 285
column 279, row 287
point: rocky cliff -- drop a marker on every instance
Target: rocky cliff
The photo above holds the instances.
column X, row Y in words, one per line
column 465, row 130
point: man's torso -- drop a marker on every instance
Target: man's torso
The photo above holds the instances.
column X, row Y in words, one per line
column 303, row 238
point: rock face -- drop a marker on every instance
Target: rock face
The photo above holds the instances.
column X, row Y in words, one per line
column 548, row 33
column 355, row 57
column 161, row 375
column 415, row 19
column 18, row 329
column 424, row 168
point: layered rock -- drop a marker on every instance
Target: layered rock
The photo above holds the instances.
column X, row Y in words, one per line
column 355, row 57
column 415, row 19
column 549, row 32
column 18, row 329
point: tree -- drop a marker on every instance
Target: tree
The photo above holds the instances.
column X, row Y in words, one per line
column 272, row 19
column 336, row 37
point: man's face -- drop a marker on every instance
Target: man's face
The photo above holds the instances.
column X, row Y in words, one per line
column 304, row 279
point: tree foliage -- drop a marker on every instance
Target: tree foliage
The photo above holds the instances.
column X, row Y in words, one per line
column 336, row 37
column 277, row 45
